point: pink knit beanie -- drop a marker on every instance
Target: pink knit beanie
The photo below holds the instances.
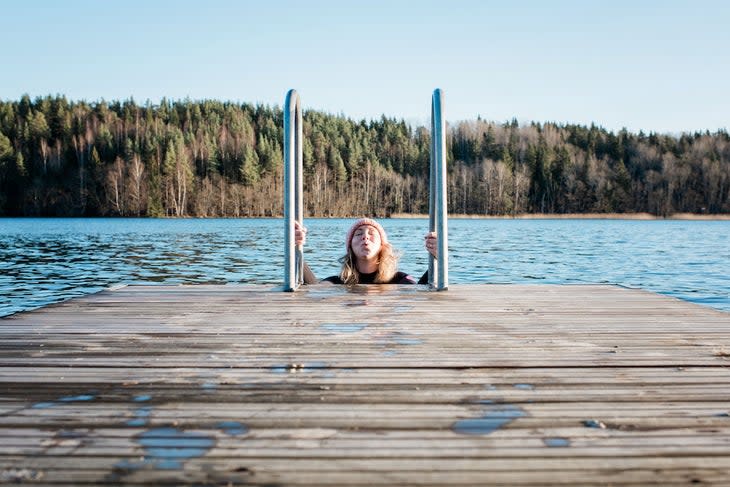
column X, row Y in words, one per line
column 358, row 224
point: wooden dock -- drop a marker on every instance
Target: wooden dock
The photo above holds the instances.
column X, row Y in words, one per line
column 393, row 385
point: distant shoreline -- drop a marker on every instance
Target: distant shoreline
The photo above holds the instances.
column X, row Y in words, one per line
column 453, row 216
column 577, row 216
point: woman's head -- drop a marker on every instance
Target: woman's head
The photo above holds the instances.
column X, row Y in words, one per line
column 367, row 245
column 365, row 237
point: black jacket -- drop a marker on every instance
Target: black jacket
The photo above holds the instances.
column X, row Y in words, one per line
column 399, row 278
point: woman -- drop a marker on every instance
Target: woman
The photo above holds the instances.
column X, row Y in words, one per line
column 369, row 257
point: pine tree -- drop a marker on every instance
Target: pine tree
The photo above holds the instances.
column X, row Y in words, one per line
column 335, row 162
column 249, row 168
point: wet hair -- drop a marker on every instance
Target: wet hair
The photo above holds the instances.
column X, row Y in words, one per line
column 387, row 265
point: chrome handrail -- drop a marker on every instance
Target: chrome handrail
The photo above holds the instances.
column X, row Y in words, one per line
column 293, row 190
column 438, row 275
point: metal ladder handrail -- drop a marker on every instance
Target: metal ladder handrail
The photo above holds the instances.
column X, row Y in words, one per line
column 293, row 190
column 438, row 275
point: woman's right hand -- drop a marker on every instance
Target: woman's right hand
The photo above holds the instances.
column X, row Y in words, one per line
column 300, row 234
column 431, row 243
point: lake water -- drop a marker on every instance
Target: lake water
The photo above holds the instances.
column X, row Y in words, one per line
column 47, row 260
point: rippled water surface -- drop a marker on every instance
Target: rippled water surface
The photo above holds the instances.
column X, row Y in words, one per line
column 47, row 260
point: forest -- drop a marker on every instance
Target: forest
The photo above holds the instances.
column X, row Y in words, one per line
column 221, row 159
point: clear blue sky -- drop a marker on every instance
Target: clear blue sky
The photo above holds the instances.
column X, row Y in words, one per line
column 660, row 66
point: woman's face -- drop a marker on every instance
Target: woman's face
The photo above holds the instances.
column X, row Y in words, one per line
column 366, row 243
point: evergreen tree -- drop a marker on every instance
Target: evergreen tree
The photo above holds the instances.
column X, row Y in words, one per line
column 249, row 167
column 335, row 162
column 7, row 160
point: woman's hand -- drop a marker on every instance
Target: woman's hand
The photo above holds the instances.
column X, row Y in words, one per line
column 300, row 234
column 431, row 243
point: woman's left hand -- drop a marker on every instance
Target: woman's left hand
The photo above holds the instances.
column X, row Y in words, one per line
column 300, row 234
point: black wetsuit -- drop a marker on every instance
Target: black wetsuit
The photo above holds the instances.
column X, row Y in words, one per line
column 399, row 278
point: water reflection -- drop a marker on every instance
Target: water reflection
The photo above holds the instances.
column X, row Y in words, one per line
column 48, row 260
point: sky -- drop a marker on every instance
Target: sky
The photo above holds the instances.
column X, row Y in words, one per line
column 658, row 66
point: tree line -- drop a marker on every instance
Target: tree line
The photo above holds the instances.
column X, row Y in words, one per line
column 210, row 158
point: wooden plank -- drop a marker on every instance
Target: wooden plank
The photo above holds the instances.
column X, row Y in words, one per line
column 445, row 376
column 361, row 472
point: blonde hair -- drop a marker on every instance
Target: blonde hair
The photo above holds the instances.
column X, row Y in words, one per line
column 387, row 265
